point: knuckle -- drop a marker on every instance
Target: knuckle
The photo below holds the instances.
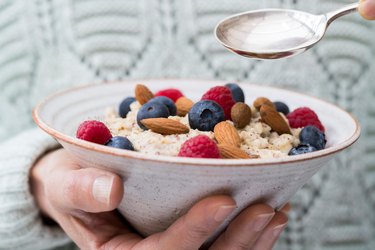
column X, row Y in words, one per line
column 197, row 231
column 242, row 246
column 94, row 244
column 236, row 244
column 63, row 190
column 70, row 189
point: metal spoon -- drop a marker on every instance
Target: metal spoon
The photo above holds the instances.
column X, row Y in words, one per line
column 275, row 33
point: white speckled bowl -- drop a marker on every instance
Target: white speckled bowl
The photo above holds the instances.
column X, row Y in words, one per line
column 159, row 189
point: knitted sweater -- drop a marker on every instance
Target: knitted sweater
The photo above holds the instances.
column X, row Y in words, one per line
column 50, row 45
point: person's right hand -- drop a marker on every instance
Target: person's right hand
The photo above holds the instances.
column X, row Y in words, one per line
column 83, row 203
column 367, row 9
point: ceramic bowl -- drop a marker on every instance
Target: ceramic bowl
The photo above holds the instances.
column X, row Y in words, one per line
column 159, row 189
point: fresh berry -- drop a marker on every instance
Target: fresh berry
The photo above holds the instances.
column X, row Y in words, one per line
column 120, row 142
column 303, row 117
column 311, row 135
column 281, row 107
column 205, row 114
column 200, row 146
column 302, row 149
column 223, row 96
column 237, row 92
column 151, row 110
column 167, row 102
column 173, row 94
column 93, row 131
column 124, row 107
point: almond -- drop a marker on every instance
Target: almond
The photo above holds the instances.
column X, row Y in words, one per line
column 143, row 94
column 241, row 114
column 226, row 133
column 165, row 126
column 274, row 119
column 262, row 101
column 183, row 105
column 231, row 152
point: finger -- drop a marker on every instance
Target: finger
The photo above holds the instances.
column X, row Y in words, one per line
column 90, row 190
column 367, row 9
column 272, row 232
column 99, row 230
column 193, row 229
column 286, row 208
column 245, row 229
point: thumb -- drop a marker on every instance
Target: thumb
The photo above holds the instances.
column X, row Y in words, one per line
column 90, row 190
column 367, row 9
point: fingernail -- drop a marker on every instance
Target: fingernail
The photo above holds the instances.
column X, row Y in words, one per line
column 261, row 221
column 276, row 231
column 223, row 212
column 101, row 189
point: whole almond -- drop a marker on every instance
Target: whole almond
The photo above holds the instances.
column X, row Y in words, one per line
column 262, row 101
column 274, row 119
column 143, row 94
column 226, row 133
column 165, row 126
column 241, row 114
column 183, row 105
column 231, row 152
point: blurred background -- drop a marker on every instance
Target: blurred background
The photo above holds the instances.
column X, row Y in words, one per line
column 50, row 45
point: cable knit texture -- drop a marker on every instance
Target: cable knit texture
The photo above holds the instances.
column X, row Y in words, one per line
column 50, row 45
column 20, row 224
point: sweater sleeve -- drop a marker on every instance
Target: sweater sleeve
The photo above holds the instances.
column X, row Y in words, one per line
column 21, row 226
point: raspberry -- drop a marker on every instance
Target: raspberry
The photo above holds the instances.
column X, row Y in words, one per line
column 200, row 146
column 223, row 96
column 173, row 94
column 93, row 131
column 303, row 117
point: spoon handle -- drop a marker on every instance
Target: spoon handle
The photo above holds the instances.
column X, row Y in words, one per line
column 331, row 16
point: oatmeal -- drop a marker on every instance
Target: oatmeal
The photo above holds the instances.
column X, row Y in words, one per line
column 220, row 125
column 256, row 138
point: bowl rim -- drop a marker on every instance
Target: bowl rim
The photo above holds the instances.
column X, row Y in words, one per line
column 59, row 136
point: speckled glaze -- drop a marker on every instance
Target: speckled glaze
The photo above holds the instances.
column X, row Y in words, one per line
column 159, row 189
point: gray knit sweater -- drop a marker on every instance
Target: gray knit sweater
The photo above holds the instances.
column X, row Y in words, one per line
column 50, row 45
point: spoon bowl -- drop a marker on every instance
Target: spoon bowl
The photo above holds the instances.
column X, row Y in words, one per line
column 275, row 33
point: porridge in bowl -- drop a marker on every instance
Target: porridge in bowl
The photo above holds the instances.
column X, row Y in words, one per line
column 219, row 125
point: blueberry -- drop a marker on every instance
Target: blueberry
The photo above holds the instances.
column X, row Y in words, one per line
column 120, row 142
column 124, row 107
column 302, row 149
column 167, row 102
column 205, row 114
column 281, row 107
column 151, row 110
column 313, row 136
column 237, row 92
